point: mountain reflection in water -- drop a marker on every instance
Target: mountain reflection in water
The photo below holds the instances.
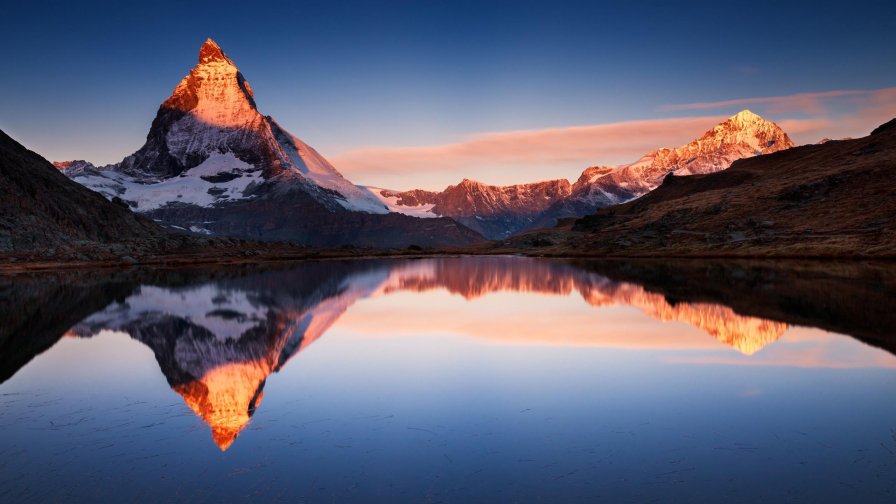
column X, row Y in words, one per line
column 217, row 336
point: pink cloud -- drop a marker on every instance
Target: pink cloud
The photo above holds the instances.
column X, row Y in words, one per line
column 864, row 113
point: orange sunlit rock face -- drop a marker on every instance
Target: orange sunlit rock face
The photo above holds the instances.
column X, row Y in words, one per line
column 226, row 397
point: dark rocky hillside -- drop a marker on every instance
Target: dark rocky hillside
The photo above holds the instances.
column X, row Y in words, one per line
column 43, row 213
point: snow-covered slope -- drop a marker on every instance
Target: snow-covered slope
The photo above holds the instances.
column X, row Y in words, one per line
column 396, row 203
column 212, row 163
column 316, row 168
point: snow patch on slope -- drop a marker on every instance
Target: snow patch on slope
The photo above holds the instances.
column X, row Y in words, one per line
column 189, row 188
column 391, row 202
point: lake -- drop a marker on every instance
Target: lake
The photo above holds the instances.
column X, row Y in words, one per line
column 454, row 379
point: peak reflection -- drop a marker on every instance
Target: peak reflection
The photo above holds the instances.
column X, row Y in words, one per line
column 217, row 343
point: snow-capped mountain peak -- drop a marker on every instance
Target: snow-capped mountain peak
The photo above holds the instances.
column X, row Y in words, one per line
column 209, row 145
column 215, row 91
column 750, row 130
column 744, row 134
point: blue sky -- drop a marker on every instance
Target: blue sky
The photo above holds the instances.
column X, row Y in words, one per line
column 84, row 79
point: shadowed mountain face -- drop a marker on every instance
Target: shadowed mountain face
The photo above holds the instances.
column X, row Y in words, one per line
column 44, row 214
column 218, row 335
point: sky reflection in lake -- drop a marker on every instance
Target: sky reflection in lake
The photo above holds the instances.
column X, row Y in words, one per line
column 452, row 380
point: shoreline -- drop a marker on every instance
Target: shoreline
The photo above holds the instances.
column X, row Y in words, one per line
column 260, row 257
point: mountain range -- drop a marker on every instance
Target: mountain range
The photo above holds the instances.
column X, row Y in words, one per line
column 500, row 211
column 833, row 199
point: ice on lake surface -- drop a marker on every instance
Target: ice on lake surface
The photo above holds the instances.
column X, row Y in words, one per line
column 458, row 379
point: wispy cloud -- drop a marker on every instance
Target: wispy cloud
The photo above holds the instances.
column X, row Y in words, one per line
column 855, row 114
column 807, row 103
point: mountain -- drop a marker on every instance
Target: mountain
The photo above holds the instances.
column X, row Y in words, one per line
column 500, row 211
column 43, row 214
column 493, row 211
column 827, row 200
column 213, row 164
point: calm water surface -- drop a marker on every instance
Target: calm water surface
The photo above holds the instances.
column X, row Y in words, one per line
column 450, row 380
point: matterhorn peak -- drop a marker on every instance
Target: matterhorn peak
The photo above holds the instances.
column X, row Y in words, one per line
column 211, row 52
